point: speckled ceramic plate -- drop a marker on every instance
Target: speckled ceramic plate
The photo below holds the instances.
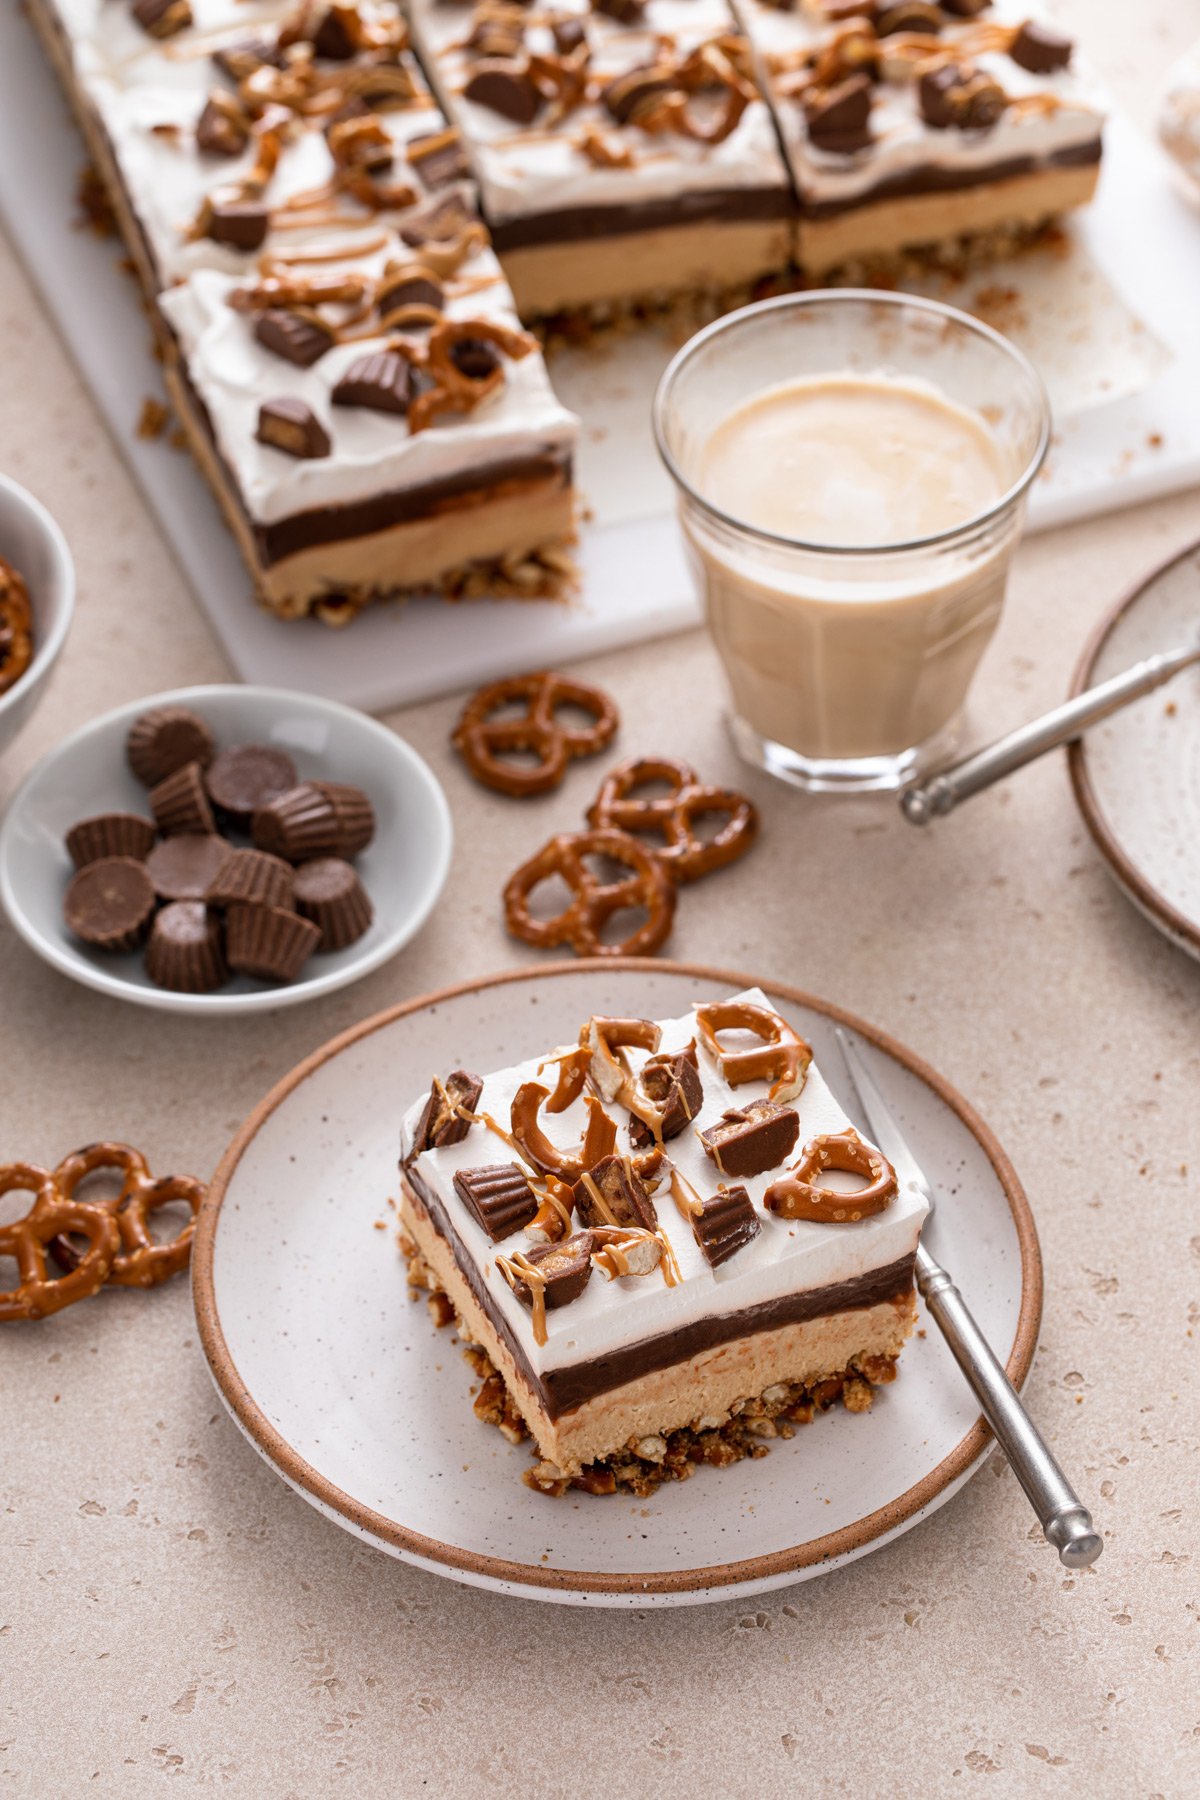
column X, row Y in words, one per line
column 347, row 1389
column 1137, row 776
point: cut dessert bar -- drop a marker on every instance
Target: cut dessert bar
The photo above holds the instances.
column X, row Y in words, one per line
column 622, row 148
column 909, row 125
column 340, row 343
column 659, row 1234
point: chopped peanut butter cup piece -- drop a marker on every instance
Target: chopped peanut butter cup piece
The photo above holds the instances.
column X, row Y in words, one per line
column 382, row 382
column 499, row 1198
column 625, row 12
column 908, row 15
column 180, row 802
column 1040, row 50
column 293, row 427
column 612, row 1194
column 442, row 1123
column 568, row 34
column 242, row 224
column 110, row 834
column 249, row 776
column 300, row 341
column 184, row 951
column 338, row 34
column 183, row 867
column 748, row 1140
column 673, row 1084
column 162, row 18
column 438, row 157
column 410, row 287
column 239, row 60
column 956, row 96
column 222, row 128
column 329, row 893
column 164, row 740
column 109, row 903
column 725, row 1224
column 252, row 875
column 505, row 87
column 268, row 941
column 839, row 119
column 564, row 1270
column 631, row 93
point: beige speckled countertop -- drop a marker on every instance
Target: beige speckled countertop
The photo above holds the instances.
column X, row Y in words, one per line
column 173, row 1618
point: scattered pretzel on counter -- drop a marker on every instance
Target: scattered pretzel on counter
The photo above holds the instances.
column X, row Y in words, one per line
column 782, row 1057
column 117, row 1248
column 486, row 743
column 16, row 626
column 594, row 901
column 674, row 815
column 799, row 1195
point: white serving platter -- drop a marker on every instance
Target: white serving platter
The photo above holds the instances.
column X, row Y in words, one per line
column 345, row 1386
column 1110, row 323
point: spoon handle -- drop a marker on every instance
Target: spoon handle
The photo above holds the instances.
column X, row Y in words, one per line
column 941, row 793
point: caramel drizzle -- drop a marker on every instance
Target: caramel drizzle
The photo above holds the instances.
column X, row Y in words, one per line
column 518, row 1267
column 686, row 1199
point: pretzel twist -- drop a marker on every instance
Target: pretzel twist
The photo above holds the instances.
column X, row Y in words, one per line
column 140, row 1261
column 709, row 66
column 782, row 1058
column 799, row 1194
column 646, row 887
column 482, row 740
column 37, row 1295
column 16, row 626
column 453, row 390
column 674, row 815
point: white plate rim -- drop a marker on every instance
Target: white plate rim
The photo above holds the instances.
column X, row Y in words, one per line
column 396, row 748
column 1130, row 877
column 532, row 1580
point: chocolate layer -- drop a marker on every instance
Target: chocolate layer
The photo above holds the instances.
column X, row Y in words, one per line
column 932, row 179
column 585, row 224
column 562, row 1390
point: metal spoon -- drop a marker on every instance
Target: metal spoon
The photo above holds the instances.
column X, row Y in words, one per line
column 941, row 793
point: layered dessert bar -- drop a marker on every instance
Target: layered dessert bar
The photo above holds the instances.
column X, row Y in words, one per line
column 339, row 340
column 622, row 148
column 908, row 125
column 664, row 1242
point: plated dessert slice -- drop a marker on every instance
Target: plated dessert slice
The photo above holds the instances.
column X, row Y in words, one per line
column 339, row 341
column 667, row 1241
column 907, row 125
column 623, row 149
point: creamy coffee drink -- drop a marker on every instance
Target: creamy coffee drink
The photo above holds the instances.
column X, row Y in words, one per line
column 838, row 642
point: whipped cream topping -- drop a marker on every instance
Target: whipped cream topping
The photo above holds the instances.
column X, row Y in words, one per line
column 787, row 1257
column 540, row 168
column 904, row 143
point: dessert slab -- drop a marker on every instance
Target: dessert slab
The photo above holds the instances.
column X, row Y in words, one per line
column 347, row 1390
column 1137, row 776
column 1108, row 323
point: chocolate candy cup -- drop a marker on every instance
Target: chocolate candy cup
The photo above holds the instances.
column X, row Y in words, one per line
column 164, row 740
column 268, row 942
column 184, row 952
column 109, row 903
column 298, row 825
column 183, row 867
column 252, row 875
column 249, row 776
column 329, row 893
column 179, row 803
column 355, row 816
column 110, row 834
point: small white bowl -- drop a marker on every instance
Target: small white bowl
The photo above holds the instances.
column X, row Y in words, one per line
column 403, row 869
column 34, row 545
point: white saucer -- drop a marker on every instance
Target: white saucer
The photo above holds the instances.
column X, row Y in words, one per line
column 345, row 1386
column 403, row 869
column 1137, row 776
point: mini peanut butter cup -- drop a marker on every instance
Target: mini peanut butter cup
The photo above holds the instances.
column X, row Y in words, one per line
column 355, row 816
column 184, row 951
column 109, row 903
column 298, row 825
column 164, row 740
column 184, row 867
column 268, row 942
column 249, row 776
column 329, row 893
column 179, row 802
column 252, row 876
column 110, row 834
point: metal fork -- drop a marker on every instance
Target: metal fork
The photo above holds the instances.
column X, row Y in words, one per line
column 1064, row 1518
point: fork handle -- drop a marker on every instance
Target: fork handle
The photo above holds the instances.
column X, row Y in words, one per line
column 1064, row 1518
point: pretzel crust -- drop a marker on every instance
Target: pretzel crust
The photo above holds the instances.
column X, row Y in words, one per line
column 140, row 1261
column 687, row 857
column 783, row 1058
column 593, row 901
column 480, row 740
column 799, row 1194
column 37, row 1295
